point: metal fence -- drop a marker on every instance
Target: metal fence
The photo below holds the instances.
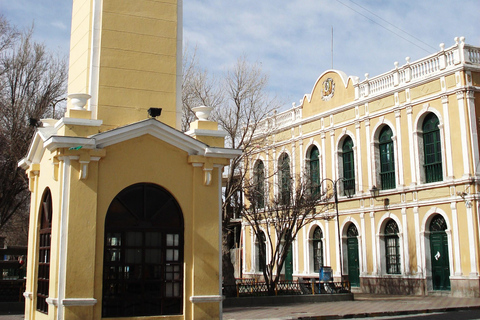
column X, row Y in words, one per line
column 252, row 287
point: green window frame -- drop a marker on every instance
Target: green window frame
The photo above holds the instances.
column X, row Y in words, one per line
column 432, row 149
column 317, row 245
column 285, row 179
column 259, row 187
column 348, row 166
column 392, row 248
column 314, row 170
column 387, row 159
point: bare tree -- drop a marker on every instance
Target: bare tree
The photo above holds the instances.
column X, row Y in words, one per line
column 277, row 221
column 32, row 82
column 198, row 88
column 246, row 103
column 240, row 102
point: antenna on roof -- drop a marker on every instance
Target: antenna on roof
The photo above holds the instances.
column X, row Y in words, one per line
column 332, row 47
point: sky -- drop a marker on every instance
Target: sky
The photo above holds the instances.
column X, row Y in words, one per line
column 292, row 41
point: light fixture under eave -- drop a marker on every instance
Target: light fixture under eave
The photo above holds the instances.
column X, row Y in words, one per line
column 154, row 112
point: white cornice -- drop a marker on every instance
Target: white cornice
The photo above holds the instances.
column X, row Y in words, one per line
column 154, row 128
column 78, row 122
column 56, row 142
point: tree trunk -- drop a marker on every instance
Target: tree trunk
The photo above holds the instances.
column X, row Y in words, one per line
column 228, row 270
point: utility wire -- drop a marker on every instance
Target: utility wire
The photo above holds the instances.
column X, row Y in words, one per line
column 395, row 33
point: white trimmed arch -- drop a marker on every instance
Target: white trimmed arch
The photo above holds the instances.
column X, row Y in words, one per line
column 418, row 142
column 426, row 262
column 343, row 231
column 380, row 243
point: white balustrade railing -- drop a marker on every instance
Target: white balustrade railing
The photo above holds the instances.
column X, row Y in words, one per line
column 418, row 70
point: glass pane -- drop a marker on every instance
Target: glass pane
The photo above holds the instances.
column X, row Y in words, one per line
column 172, row 240
column 134, row 239
column 172, row 255
column 133, row 256
column 153, row 256
column 153, row 239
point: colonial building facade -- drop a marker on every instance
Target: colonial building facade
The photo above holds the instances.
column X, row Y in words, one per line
column 404, row 147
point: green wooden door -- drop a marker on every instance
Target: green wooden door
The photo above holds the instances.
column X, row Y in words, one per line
column 353, row 266
column 289, row 265
column 440, row 262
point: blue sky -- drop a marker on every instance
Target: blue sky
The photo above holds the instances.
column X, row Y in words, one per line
column 292, row 40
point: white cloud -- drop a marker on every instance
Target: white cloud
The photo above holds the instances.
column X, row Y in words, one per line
column 292, row 40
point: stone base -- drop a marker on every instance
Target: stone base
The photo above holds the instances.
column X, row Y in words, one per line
column 392, row 285
column 465, row 287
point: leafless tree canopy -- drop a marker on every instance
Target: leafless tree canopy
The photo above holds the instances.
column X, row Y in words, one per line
column 240, row 100
column 32, row 82
column 278, row 219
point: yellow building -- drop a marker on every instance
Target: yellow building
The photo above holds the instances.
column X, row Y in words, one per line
column 125, row 209
column 412, row 135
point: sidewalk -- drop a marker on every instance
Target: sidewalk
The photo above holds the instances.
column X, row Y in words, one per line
column 365, row 305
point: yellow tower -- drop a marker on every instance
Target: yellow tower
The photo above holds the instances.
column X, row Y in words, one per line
column 127, row 56
column 125, row 209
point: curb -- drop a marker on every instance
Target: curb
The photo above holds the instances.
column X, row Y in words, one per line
column 388, row 313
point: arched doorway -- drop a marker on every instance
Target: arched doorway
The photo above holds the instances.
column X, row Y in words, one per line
column 143, row 254
column 352, row 256
column 439, row 254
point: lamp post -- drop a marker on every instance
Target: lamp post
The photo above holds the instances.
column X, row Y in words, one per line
column 349, row 193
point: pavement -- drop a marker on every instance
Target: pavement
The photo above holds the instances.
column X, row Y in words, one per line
column 364, row 306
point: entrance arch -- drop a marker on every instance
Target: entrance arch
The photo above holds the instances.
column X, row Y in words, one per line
column 143, row 254
column 440, row 264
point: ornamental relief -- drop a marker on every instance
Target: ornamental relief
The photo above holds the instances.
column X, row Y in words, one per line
column 328, row 89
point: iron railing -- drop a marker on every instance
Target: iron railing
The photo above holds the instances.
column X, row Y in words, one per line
column 252, row 287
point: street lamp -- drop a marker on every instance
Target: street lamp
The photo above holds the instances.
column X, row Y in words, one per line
column 349, row 192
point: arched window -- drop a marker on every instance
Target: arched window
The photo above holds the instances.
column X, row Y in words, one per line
column 348, row 167
column 45, row 235
column 314, row 170
column 392, row 248
column 260, row 252
column 387, row 160
column 259, row 183
column 432, row 149
column 317, row 245
column 284, row 178
column 143, row 254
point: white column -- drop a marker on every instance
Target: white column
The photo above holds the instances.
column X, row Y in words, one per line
column 332, row 151
column 327, row 244
column 473, row 130
column 396, row 147
column 463, row 133
column 456, row 239
column 471, row 239
column 413, row 164
column 369, row 153
column 447, row 138
column 302, row 161
column 358, row 160
column 406, row 251
column 401, row 180
column 62, row 251
column 324, row 159
column 337, row 256
column 374, row 249
column 294, row 166
column 420, row 254
column 364, row 244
